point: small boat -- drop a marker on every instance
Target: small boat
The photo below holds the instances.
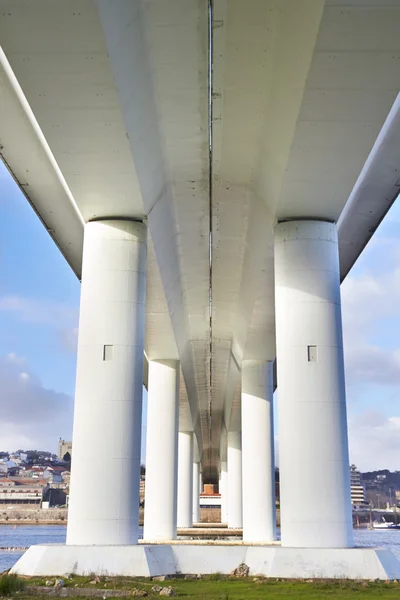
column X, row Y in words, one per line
column 383, row 524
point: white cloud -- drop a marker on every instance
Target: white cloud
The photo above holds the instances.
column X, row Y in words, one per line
column 374, row 441
column 32, row 417
column 368, row 301
column 38, row 311
column 62, row 317
column 371, row 318
column 12, row 357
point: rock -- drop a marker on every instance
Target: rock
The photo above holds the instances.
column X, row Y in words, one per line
column 49, row 583
column 59, row 583
column 241, row 571
column 139, row 593
column 167, row 591
column 156, row 589
column 159, row 578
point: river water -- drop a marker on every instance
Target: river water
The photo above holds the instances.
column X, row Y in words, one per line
column 23, row 536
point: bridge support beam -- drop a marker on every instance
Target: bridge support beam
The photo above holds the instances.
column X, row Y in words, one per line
column 162, row 451
column 258, row 452
column 313, row 457
column 235, row 512
column 185, row 479
column 196, row 493
column 109, row 386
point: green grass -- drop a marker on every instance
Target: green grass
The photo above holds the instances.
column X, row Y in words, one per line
column 218, row 587
column 9, row 584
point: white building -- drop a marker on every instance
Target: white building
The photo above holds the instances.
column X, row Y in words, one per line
column 357, row 488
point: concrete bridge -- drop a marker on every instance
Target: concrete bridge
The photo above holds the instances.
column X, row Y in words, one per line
column 211, row 170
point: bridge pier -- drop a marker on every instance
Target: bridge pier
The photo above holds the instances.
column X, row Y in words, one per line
column 185, row 479
column 223, row 490
column 196, row 492
column 108, row 395
column 235, row 505
column 162, row 450
column 313, row 457
column 258, row 452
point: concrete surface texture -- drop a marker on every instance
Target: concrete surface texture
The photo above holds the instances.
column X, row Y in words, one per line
column 164, row 559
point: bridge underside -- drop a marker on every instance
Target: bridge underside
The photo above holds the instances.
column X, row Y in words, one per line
column 210, row 122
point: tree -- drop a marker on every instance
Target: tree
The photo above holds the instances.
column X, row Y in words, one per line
column 67, row 457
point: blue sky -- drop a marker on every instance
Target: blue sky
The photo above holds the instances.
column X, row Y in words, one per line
column 371, row 327
column 39, row 309
column 39, row 306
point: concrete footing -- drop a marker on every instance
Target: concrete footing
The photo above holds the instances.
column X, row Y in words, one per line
column 165, row 559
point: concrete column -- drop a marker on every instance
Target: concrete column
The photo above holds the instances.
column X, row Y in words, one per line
column 258, row 452
column 223, row 488
column 185, row 479
column 162, row 451
column 235, row 518
column 104, row 496
column 196, row 493
column 313, row 447
column 220, row 492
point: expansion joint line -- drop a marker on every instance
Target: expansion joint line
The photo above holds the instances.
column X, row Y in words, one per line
column 210, row 207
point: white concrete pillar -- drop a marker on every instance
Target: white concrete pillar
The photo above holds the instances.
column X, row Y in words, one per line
column 162, row 451
column 220, row 492
column 235, row 512
column 104, row 496
column 196, row 493
column 185, row 479
column 313, row 447
column 258, row 475
column 223, row 490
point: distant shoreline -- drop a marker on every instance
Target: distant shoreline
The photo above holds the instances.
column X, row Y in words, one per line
column 37, row 522
column 31, row 522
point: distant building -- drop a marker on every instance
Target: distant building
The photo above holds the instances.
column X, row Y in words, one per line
column 210, row 498
column 53, row 475
column 358, row 496
column 16, row 491
column 355, row 476
column 63, row 448
column 54, row 496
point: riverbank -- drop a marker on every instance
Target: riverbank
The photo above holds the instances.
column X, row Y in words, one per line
column 207, row 587
column 59, row 516
column 40, row 516
column 33, row 516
